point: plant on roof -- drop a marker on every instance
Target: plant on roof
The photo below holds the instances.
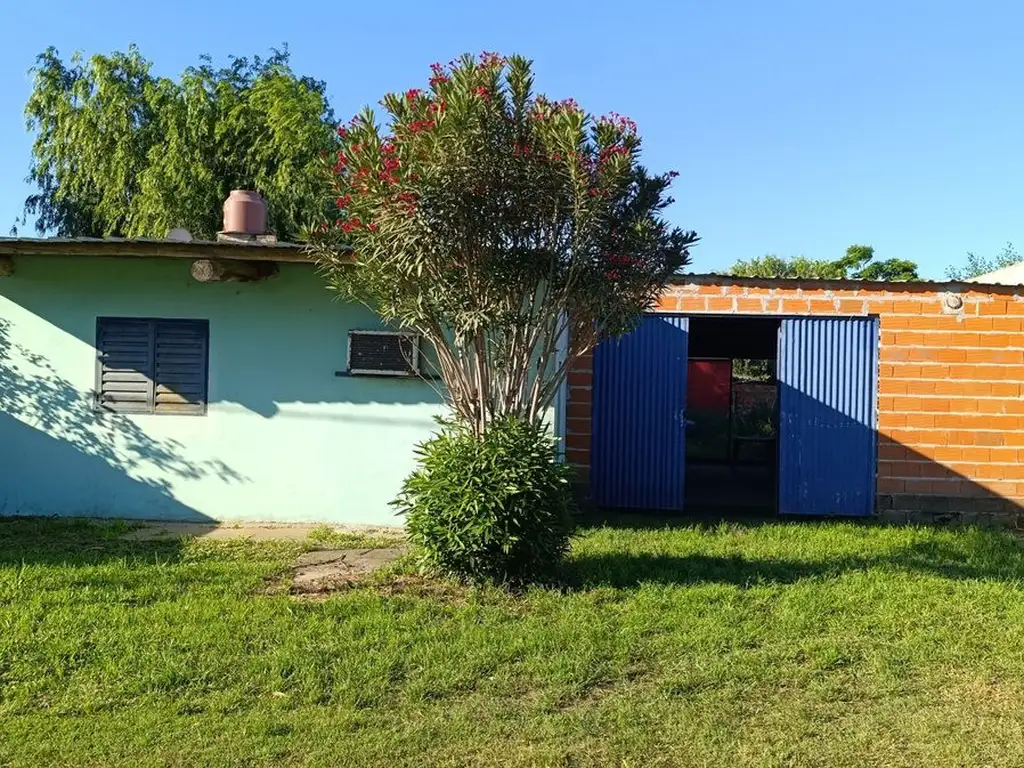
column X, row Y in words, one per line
column 119, row 151
column 857, row 264
column 496, row 222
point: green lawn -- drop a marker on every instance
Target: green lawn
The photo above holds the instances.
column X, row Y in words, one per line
column 775, row 645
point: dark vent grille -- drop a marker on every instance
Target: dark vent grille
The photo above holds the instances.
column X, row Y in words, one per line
column 383, row 353
column 152, row 366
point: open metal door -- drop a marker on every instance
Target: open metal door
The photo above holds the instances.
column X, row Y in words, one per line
column 828, row 379
column 638, row 444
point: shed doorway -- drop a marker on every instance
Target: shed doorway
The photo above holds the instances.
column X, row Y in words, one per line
column 732, row 415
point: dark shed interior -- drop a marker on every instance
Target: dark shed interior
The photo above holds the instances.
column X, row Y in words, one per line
column 732, row 414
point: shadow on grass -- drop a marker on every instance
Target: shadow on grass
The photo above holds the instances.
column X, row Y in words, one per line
column 75, row 542
column 963, row 553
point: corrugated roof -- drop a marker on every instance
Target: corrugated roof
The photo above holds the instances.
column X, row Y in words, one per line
column 1011, row 275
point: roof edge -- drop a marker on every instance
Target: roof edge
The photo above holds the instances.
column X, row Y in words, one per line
column 116, row 247
column 891, row 286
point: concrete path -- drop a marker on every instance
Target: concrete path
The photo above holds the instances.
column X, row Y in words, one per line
column 251, row 531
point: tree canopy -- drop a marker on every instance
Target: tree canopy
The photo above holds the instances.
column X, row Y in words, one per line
column 491, row 220
column 119, row 151
column 858, row 263
column 979, row 265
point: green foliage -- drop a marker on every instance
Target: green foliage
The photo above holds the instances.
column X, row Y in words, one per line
column 976, row 266
column 491, row 220
column 858, row 264
column 497, row 507
column 119, row 151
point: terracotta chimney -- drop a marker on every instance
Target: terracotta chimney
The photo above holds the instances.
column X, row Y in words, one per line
column 245, row 217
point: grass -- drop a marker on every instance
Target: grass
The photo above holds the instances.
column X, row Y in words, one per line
column 817, row 644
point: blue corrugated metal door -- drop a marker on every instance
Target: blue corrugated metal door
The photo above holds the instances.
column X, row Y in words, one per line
column 638, row 446
column 828, row 373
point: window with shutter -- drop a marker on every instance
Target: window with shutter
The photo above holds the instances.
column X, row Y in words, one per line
column 152, row 365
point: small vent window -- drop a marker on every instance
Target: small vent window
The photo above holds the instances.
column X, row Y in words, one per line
column 383, row 353
column 152, row 365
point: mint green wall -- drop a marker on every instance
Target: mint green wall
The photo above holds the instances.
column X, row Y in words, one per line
column 284, row 439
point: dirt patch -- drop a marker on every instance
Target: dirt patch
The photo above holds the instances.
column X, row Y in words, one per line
column 332, row 570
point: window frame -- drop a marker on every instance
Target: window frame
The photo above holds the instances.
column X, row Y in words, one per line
column 149, row 407
column 415, row 369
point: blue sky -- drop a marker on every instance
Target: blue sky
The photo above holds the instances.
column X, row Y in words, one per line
column 798, row 127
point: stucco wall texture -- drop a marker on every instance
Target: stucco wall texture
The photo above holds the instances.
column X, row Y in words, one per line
column 950, row 383
column 284, row 439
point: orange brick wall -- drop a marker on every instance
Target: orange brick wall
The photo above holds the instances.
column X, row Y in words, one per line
column 951, row 387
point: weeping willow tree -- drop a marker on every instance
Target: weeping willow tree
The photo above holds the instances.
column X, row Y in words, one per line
column 120, row 151
column 495, row 222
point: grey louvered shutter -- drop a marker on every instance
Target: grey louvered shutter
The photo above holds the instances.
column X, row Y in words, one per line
column 181, row 359
column 152, row 366
column 125, row 366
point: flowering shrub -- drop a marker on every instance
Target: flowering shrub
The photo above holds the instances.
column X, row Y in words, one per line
column 492, row 221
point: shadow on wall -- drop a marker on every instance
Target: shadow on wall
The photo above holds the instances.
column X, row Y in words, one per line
column 273, row 344
column 50, row 437
column 836, row 465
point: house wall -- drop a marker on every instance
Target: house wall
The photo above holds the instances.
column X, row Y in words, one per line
column 951, row 387
column 284, row 439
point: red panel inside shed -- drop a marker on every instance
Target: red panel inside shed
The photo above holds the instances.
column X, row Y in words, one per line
column 708, row 385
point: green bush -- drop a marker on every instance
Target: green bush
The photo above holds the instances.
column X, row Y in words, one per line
column 497, row 508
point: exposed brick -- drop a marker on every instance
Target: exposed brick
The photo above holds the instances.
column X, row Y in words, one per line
column 1010, row 324
column 578, row 378
column 580, row 395
column 721, row 304
column 748, row 304
column 951, row 413
column 693, row 304
column 577, row 410
column 577, row 441
column 890, row 485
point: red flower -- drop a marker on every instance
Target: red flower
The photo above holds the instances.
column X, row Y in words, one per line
column 342, row 131
column 387, row 148
column 351, row 224
column 413, row 93
column 343, row 201
column 556, row 157
column 489, row 59
column 483, row 93
column 438, row 79
column 437, row 67
column 390, row 163
column 408, row 197
column 372, row 227
column 612, row 275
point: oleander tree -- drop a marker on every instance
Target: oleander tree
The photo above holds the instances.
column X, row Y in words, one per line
column 494, row 221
